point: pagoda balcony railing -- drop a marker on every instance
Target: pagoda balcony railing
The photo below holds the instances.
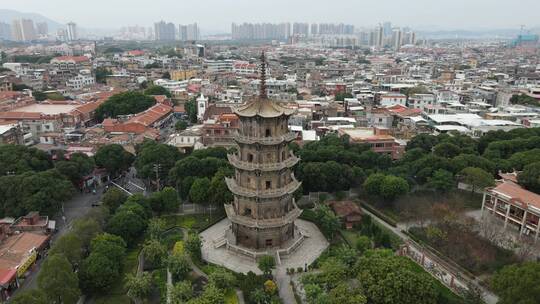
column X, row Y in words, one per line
column 266, row 193
column 272, row 140
column 273, row 166
column 262, row 223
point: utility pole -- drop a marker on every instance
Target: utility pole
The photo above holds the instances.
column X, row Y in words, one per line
column 157, row 167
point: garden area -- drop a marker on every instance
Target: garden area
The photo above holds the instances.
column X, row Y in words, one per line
column 465, row 246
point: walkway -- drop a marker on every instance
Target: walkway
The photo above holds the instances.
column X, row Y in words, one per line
column 283, row 280
column 489, row 297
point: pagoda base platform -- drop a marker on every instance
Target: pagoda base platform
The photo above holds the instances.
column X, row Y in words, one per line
column 218, row 247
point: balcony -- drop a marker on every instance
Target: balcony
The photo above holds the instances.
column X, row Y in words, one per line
column 274, row 140
column 251, row 166
column 262, row 223
column 268, row 193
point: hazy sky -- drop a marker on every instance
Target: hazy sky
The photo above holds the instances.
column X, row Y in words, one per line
column 218, row 14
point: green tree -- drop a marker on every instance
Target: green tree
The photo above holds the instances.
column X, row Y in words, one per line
column 441, row 180
column 199, row 192
column 98, row 272
column 154, row 252
column 180, row 125
column 345, row 294
column 266, row 264
column 128, row 225
column 113, row 158
column 524, row 99
column 222, row 279
column 193, row 246
column 30, row 296
column 113, row 198
column 182, row 292
column 86, row 229
column 157, row 90
column 327, row 220
column 372, row 185
column 17, row 159
column 139, row 287
column 101, row 74
column 111, row 246
column 530, row 177
column 43, row 191
column 156, row 227
column 393, row 186
column 342, row 95
column 76, row 168
column 219, row 192
column 476, row 178
column 447, row 150
column 125, row 103
column 362, row 244
column 69, row 245
column 58, row 280
column 386, row 278
column 178, row 265
column 191, row 110
column 152, row 154
column 518, row 283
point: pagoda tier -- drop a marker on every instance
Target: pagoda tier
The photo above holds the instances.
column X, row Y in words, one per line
column 287, row 189
column 265, row 166
column 251, row 222
column 271, row 140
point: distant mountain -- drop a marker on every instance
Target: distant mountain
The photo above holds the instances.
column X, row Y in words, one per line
column 7, row 16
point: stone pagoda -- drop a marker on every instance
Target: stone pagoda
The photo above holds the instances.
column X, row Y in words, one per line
column 263, row 212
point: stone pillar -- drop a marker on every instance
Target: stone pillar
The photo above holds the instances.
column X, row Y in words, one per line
column 483, row 202
column 506, row 216
column 523, row 223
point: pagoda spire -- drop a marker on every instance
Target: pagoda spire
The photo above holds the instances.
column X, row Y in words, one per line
column 262, row 93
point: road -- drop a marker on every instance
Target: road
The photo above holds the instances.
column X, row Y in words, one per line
column 75, row 208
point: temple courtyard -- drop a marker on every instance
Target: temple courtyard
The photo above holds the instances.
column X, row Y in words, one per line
column 306, row 251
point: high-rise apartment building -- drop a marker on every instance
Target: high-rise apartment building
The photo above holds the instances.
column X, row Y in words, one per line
column 397, row 38
column 300, row 29
column 164, row 31
column 71, row 31
column 387, row 28
column 261, row 31
column 314, row 29
column 189, row 32
column 23, row 30
column 5, row 31
column 42, row 28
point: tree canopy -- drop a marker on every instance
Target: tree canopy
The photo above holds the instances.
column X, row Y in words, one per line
column 113, row 158
column 518, row 284
column 125, row 103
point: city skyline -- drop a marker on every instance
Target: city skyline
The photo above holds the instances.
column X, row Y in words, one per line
column 217, row 16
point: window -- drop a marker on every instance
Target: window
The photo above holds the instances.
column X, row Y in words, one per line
column 282, row 155
column 268, row 133
column 247, row 211
column 250, row 157
column 268, row 184
column 268, row 242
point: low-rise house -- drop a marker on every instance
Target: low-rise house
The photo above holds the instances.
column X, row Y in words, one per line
column 379, row 140
column 348, row 212
column 517, row 207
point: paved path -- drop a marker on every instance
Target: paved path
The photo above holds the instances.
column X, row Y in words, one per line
column 283, row 280
column 489, row 297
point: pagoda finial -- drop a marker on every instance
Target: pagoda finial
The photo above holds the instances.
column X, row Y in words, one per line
column 262, row 93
